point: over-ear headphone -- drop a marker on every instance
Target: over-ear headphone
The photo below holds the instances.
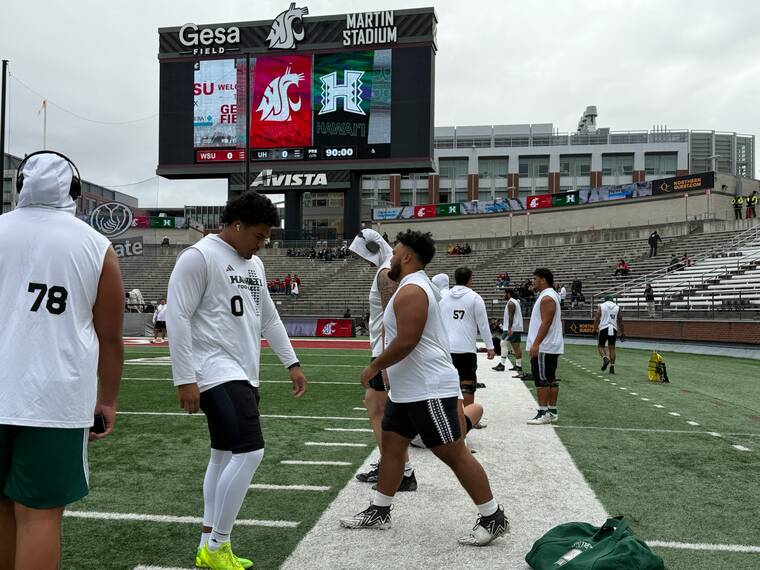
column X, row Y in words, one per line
column 75, row 190
column 372, row 246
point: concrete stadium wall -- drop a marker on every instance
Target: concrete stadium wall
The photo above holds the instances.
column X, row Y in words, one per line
column 155, row 235
column 134, row 323
column 690, row 330
column 639, row 213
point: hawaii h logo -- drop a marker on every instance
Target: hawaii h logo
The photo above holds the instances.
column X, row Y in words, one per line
column 282, row 35
column 350, row 91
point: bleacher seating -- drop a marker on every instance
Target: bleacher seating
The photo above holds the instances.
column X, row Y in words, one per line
column 330, row 287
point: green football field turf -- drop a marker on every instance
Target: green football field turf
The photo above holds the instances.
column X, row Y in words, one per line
column 689, row 487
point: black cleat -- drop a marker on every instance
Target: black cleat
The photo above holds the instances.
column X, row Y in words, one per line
column 605, row 363
column 487, row 529
column 372, row 517
column 499, row 367
column 612, row 368
column 370, row 476
column 408, row 484
column 516, row 369
column 479, row 385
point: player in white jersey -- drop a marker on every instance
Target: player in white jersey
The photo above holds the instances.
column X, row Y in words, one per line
column 512, row 328
column 219, row 309
column 464, row 316
column 423, row 394
column 608, row 322
column 545, row 344
column 372, row 247
column 159, row 321
column 62, row 305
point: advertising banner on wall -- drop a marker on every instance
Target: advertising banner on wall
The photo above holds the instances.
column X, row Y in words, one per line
column 579, row 327
column 340, row 328
column 684, row 183
column 425, row 211
column 300, row 326
column 539, row 201
column 447, row 210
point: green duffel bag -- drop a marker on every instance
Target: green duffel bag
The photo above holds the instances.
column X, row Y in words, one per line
column 581, row 546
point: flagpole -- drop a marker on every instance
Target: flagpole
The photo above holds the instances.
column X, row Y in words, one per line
column 44, row 124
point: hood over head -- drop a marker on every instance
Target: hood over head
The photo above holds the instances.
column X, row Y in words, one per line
column 47, row 181
column 441, row 281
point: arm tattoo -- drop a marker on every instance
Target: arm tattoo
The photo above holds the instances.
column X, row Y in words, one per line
column 386, row 286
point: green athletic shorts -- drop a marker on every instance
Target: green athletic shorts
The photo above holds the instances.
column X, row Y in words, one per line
column 43, row 468
column 516, row 336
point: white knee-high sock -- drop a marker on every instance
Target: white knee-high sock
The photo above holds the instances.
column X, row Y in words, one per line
column 218, row 461
column 230, row 493
column 504, row 351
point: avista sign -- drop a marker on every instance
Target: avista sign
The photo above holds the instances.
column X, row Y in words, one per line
column 208, row 41
column 267, row 178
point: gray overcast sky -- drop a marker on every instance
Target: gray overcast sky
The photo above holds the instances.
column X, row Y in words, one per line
column 683, row 63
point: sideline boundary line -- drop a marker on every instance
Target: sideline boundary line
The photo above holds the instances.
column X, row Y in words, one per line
column 98, row 515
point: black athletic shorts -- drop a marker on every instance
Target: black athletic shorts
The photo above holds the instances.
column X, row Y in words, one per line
column 376, row 382
column 466, row 364
column 544, row 370
column 232, row 412
column 605, row 337
column 436, row 421
column 160, row 326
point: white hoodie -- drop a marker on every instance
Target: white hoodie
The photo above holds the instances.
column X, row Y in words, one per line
column 464, row 315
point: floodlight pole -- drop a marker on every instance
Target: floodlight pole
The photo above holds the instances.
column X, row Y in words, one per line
column 2, row 120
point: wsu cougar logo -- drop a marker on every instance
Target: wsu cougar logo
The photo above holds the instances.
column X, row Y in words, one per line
column 329, row 329
column 282, row 35
column 275, row 104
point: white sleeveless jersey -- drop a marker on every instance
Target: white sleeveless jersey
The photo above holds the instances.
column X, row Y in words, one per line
column 50, row 269
column 609, row 317
column 427, row 372
column 517, row 319
column 553, row 343
column 376, row 314
column 218, row 309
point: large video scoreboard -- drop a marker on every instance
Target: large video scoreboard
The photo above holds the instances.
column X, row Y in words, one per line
column 297, row 93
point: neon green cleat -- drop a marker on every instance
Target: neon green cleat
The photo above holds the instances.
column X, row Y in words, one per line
column 222, row 559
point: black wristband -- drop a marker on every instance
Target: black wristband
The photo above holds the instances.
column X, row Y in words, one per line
column 294, row 365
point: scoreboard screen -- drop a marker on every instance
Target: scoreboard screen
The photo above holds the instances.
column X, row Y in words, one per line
column 363, row 107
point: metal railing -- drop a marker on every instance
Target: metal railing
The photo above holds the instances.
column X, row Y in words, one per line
column 744, row 238
column 740, row 304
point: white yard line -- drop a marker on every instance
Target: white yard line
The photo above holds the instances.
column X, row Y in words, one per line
column 355, row 383
column 705, row 547
column 741, row 448
column 170, row 519
column 333, row 444
column 366, row 430
column 276, row 416
column 360, row 409
column 141, row 567
column 299, row 462
column 163, row 363
column 653, row 430
column 514, row 455
column 265, row 487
